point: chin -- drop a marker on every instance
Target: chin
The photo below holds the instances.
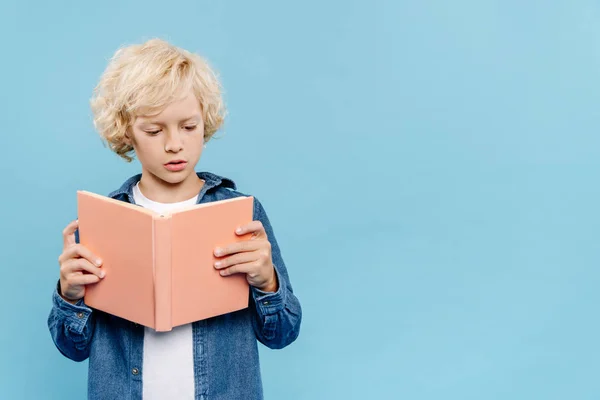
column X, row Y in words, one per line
column 173, row 178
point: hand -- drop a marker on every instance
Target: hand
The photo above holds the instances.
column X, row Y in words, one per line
column 78, row 266
column 251, row 257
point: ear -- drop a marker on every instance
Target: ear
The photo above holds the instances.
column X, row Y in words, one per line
column 128, row 137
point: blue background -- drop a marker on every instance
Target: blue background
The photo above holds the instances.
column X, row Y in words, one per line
column 430, row 169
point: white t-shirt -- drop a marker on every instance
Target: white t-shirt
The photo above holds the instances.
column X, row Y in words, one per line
column 168, row 364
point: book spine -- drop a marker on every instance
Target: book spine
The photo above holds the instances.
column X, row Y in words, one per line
column 162, row 273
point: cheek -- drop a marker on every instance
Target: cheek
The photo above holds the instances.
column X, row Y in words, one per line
column 147, row 149
column 196, row 140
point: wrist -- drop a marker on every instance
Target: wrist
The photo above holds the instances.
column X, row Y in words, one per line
column 272, row 285
column 59, row 290
column 68, row 300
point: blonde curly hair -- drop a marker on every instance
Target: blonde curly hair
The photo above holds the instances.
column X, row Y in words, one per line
column 143, row 79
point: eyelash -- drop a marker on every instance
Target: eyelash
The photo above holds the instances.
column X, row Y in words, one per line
column 187, row 128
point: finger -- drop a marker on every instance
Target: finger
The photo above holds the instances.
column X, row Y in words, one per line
column 245, row 245
column 69, row 234
column 245, row 268
column 80, row 251
column 81, row 264
column 238, row 258
column 255, row 227
column 84, row 279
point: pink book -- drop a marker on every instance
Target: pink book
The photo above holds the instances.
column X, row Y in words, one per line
column 160, row 267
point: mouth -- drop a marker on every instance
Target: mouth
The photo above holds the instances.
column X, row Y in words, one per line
column 175, row 165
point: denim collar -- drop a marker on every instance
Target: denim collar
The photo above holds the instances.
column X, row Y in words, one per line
column 210, row 181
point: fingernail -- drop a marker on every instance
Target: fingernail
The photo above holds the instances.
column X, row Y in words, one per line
column 218, row 264
column 98, row 261
column 102, row 273
column 218, row 251
column 238, row 230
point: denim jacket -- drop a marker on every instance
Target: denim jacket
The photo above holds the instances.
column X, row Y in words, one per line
column 226, row 361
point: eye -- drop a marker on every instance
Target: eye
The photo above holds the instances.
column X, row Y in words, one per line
column 152, row 133
column 190, row 128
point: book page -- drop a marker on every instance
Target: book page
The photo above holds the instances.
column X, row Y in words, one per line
column 122, row 236
column 198, row 290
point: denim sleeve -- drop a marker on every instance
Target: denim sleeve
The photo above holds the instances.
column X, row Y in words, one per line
column 71, row 326
column 278, row 315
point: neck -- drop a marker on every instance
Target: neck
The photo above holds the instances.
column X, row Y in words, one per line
column 161, row 191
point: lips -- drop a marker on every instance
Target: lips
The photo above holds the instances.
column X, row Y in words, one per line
column 175, row 165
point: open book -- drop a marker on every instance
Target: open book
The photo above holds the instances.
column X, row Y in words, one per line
column 160, row 267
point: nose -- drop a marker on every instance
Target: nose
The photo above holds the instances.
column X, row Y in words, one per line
column 173, row 143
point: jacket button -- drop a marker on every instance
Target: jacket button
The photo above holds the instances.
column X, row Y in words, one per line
column 266, row 303
column 80, row 315
column 135, row 371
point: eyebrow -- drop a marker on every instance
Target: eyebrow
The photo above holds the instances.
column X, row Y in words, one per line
column 158, row 122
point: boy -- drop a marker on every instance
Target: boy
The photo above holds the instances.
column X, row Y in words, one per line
column 164, row 103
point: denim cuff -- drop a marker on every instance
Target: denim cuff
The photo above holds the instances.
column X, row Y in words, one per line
column 269, row 303
column 75, row 315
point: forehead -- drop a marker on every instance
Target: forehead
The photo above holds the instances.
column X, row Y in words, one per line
column 184, row 108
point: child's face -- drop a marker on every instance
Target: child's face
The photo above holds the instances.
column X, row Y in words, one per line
column 175, row 134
